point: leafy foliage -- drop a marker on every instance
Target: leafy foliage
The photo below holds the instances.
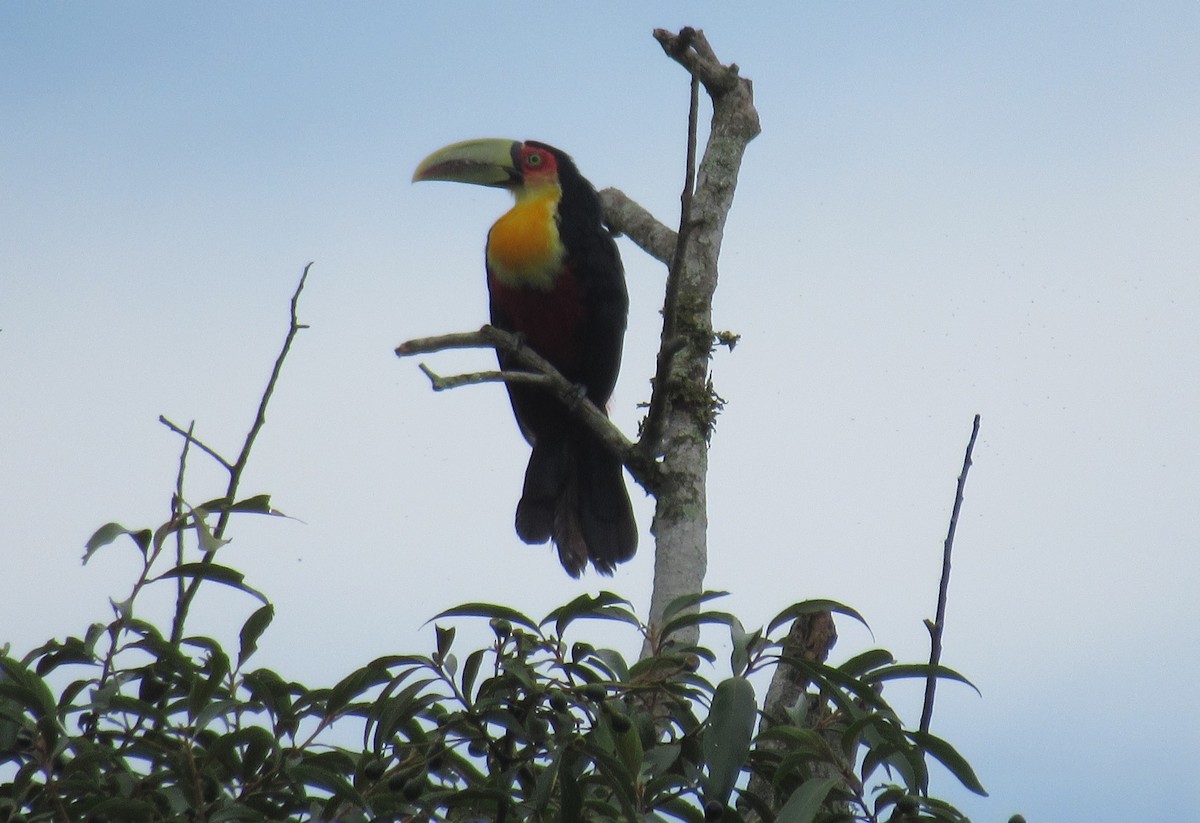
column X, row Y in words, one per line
column 126, row 723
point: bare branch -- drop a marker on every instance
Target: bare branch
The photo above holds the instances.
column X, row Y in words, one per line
column 681, row 520
column 225, row 464
column 650, row 444
column 939, row 622
column 540, row 373
column 691, row 49
column 177, row 502
column 439, row 383
column 627, row 217
column 239, row 466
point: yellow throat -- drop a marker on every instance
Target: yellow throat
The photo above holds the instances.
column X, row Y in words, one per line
column 524, row 249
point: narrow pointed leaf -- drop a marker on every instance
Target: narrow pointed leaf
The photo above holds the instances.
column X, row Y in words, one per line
column 688, row 601
column 110, row 532
column 487, row 610
column 900, row 671
column 214, row 572
column 949, row 757
column 806, row 801
column 252, row 629
column 809, row 607
column 868, row 661
column 727, row 736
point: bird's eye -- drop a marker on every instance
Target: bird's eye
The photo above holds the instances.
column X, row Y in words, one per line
column 534, row 159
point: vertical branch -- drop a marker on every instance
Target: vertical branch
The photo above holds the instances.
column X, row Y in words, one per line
column 177, row 507
column 939, row 622
column 238, row 466
column 684, row 399
column 681, row 513
column 650, row 443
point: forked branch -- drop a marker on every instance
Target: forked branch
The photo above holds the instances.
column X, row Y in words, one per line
column 540, row 372
column 237, row 467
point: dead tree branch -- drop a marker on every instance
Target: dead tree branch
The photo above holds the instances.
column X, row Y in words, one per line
column 540, row 372
column 189, row 439
column 681, row 518
column 238, row 466
column 671, row 343
column 627, row 217
column 938, row 625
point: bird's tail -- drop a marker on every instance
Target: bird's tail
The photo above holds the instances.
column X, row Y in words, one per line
column 575, row 493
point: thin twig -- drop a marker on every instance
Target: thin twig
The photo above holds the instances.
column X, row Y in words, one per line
column 239, row 466
column 177, row 498
column 539, row 372
column 225, row 464
column 650, row 444
column 440, row 383
column 939, row 622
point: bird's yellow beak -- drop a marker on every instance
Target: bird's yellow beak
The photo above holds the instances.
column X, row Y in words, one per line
column 484, row 162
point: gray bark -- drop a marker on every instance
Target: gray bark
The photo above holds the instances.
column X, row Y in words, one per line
column 681, row 515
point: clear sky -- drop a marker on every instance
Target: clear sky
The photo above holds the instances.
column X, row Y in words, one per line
column 953, row 208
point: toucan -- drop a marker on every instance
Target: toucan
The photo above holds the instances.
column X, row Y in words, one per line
column 555, row 278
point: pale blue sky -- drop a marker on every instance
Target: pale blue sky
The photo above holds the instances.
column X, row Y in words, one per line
column 953, row 208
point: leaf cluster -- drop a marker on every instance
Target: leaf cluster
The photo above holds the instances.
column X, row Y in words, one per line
column 127, row 723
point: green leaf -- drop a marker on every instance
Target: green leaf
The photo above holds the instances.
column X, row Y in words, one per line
column 131, row 706
column 258, row 504
column 214, row 572
column 739, row 657
column 470, row 671
column 252, row 629
column 628, row 742
column 612, row 660
column 237, row 813
column 616, row 777
column 22, row 685
column 122, row 808
column 226, row 710
column 949, row 757
column 393, row 711
column 727, row 736
column 901, row 671
column 318, row 776
column 213, row 673
column 694, row 619
column 571, row 807
column 217, row 504
column 546, row 780
column 806, row 801
column 837, row 683
column 887, row 744
column 110, row 532
column 70, row 651
column 445, row 639
column 809, row 607
column 604, row 606
column 660, row 758
column 688, row 601
column 869, row 660
column 486, row 610
column 353, row 685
